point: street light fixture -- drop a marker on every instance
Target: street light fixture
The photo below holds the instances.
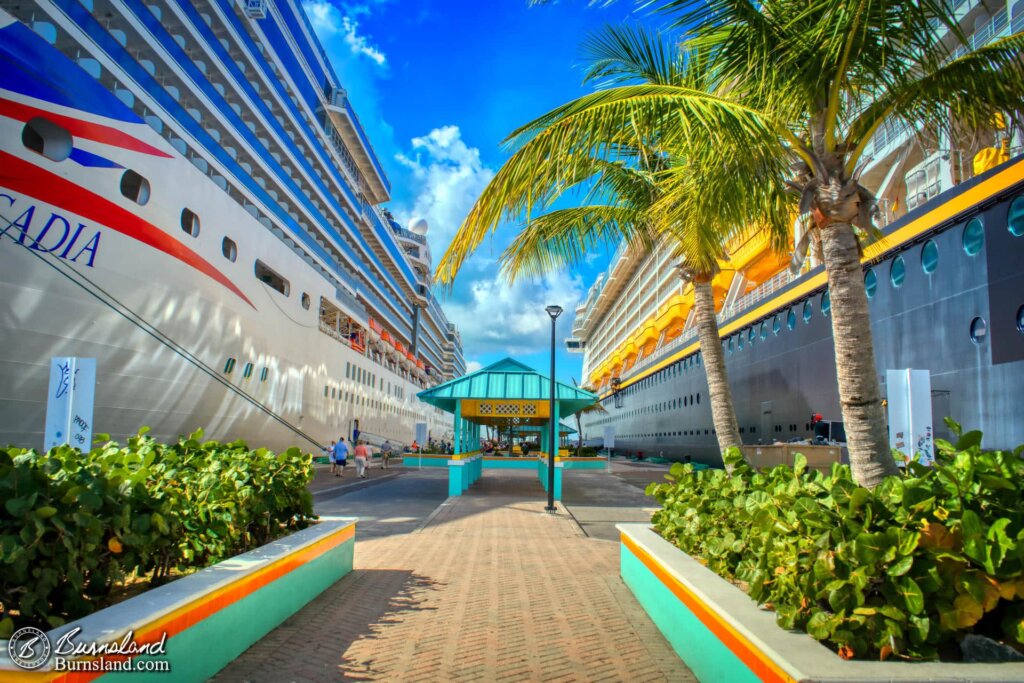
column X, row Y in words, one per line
column 554, row 312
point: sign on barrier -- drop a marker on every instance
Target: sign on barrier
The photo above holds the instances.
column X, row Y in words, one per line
column 69, row 403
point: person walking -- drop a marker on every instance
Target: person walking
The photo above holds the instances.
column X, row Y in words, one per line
column 340, row 458
column 329, row 452
column 362, row 454
column 385, row 454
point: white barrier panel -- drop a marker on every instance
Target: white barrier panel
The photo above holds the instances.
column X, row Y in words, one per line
column 69, row 403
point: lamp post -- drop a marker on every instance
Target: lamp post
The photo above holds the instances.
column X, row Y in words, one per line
column 554, row 312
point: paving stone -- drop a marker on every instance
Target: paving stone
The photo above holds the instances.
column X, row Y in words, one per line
column 493, row 588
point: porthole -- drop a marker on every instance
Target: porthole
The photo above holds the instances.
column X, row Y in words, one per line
column 764, row 331
column 739, row 341
column 730, row 344
column 870, row 283
column 897, row 272
column 1020, row 319
column 190, row 222
column 305, row 301
column 979, row 330
column 45, row 137
column 791, row 319
column 229, row 249
column 929, row 257
column 808, row 311
column 826, row 303
column 776, row 325
column 974, row 236
column 1015, row 217
column 698, row 398
column 135, row 187
column 751, row 335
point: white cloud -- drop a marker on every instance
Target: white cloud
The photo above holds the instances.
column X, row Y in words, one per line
column 491, row 314
column 450, row 175
column 330, row 20
column 494, row 316
column 358, row 44
column 473, row 366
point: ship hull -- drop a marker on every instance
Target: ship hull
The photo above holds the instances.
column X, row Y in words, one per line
column 780, row 381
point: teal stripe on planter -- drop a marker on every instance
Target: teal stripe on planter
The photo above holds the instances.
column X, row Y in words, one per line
column 707, row 657
column 208, row 646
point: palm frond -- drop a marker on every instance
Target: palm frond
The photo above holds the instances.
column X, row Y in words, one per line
column 559, row 148
column 629, row 53
column 969, row 90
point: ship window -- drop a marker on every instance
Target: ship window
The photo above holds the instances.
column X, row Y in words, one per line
column 791, row 319
column 229, row 249
column 739, row 341
column 698, row 398
column 190, row 222
column 247, row 371
column 229, row 366
column 1020, row 319
column 870, row 283
column 135, row 187
column 1015, row 217
column 974, row 236
column 263, row 374
column 751, row 335
column 45, row 137
column 808, row 311
column 305, row 301
column 979, row 330
column 764, row 331
column 268, row 277
column 776, row 325
column 826, row 303
column 929, row 257
column 686, row 401
column 897, row 272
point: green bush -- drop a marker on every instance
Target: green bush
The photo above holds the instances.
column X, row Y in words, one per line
column 588, row 452
column 77, row 524
column 904, row 570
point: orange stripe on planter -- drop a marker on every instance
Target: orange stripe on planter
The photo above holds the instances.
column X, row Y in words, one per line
column 757, row 661
column 200, row 608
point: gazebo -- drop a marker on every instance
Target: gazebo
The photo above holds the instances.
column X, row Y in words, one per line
column 506, row 394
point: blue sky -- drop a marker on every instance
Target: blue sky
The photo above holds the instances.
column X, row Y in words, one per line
column 438, row 84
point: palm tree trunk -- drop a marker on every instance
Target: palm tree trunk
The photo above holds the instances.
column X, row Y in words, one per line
column 579, row 435
column 859, row 391
column 722, row 413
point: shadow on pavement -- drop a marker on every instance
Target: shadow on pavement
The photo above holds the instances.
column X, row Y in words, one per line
column 312, row 645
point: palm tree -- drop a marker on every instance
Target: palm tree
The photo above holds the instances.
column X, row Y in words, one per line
column 811, row 82
column 624, row 198
column 825, row 76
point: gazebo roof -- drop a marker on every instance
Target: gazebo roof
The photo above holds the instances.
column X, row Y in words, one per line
column 507, row 379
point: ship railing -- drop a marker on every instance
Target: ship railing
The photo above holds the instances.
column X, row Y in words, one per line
column 759, row 293
column 335, row 334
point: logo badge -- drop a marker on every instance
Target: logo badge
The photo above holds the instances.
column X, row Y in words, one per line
column 29, row 648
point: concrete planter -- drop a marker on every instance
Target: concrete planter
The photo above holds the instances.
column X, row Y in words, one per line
column 214, row 615
column 722, row 635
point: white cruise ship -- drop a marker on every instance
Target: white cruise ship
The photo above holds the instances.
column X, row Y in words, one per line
column 187, row 196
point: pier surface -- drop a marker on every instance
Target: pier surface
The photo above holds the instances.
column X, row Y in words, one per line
column 481, row 587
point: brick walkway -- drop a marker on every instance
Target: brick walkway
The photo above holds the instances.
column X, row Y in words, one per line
column 492, row 589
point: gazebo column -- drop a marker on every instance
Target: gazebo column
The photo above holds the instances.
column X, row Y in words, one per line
column 457, row 431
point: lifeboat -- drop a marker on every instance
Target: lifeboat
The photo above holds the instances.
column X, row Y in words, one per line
column 385, row 337
column 400, row 347
column 647, row 337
